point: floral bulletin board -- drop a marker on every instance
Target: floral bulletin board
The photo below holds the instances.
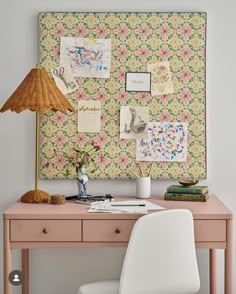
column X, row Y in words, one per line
column 144, row 75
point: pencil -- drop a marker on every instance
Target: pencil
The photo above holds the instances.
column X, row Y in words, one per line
column 136, row 175
column 128, row 205
column 150, row 169
column 142, row 175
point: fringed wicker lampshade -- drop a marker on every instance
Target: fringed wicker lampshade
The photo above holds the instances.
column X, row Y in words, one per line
column 39, row 93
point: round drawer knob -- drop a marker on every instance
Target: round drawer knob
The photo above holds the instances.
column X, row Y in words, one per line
column 117, row 231
column 45, row 231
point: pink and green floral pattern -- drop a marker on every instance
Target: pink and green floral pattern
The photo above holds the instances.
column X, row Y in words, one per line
column 137, row 39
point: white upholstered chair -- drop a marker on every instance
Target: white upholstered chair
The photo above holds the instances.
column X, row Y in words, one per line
column 160, row 258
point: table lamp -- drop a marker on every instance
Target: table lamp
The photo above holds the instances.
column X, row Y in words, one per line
column 38, row 93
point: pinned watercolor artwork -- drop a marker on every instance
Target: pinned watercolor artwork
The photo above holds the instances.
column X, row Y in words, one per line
column 87, row 57
column 167, row 142
column 134, row 122
column 161, row 78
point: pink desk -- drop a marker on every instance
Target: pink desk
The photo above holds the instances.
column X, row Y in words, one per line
column 43, row 226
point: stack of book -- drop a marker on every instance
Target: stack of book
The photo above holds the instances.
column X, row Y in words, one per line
column 182, row 193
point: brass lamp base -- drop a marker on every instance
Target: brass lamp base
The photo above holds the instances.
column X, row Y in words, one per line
column 36, row 196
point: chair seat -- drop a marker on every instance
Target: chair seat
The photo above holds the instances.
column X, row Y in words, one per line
column 104, row 287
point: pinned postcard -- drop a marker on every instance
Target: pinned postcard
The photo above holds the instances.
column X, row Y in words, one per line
column 167, row 142
column 133, row 122
column 86, row 57
column 64, row 79
column 161, row 78
column 89, row 116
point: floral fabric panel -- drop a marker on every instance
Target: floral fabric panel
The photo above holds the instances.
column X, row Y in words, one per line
column 132, row 41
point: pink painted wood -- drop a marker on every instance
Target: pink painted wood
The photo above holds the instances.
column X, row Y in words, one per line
column 213, row 271
column 212, row 209
column 107, row 231
column 229, row 259
column 7, row 257
column 212, row 220
column 25, row 270
column 45, row 230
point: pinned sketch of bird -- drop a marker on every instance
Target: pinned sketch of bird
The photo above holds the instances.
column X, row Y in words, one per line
column 140, row 119
column 139, row 127
column 126, row 129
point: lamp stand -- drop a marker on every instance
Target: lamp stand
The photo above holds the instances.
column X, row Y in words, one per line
column 36, row 196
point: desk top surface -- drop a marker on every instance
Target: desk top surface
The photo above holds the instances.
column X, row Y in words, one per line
column 212, row 209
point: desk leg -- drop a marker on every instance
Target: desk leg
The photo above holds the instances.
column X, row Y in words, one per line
column 7, row 257
column 25, row 270
column 229, row 258
column 213, row 272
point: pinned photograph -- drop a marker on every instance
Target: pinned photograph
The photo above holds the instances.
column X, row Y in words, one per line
column 87, row 57
column 167, row 142
column 161, row 78
column 133, row 122
column 64, row 79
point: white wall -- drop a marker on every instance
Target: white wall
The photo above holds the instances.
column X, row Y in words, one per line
column 59, row 271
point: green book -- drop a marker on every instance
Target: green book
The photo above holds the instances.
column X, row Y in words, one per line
column 187, row 190
column 186, row 197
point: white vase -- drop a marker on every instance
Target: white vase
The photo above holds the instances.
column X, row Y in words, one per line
column 82, row 182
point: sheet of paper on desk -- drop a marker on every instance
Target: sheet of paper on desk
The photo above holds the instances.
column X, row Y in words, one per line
column 100, row 209
column 106, row 208
column 129, row 206
column 148, row 205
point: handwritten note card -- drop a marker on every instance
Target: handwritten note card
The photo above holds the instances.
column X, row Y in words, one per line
column 89, row 116
column 138, row 82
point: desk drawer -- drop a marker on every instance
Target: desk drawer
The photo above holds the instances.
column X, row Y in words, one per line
column 45, row 230
column 210, row 230
column 107, row 230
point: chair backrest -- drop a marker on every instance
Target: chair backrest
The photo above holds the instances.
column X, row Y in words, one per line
column 161, row 256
